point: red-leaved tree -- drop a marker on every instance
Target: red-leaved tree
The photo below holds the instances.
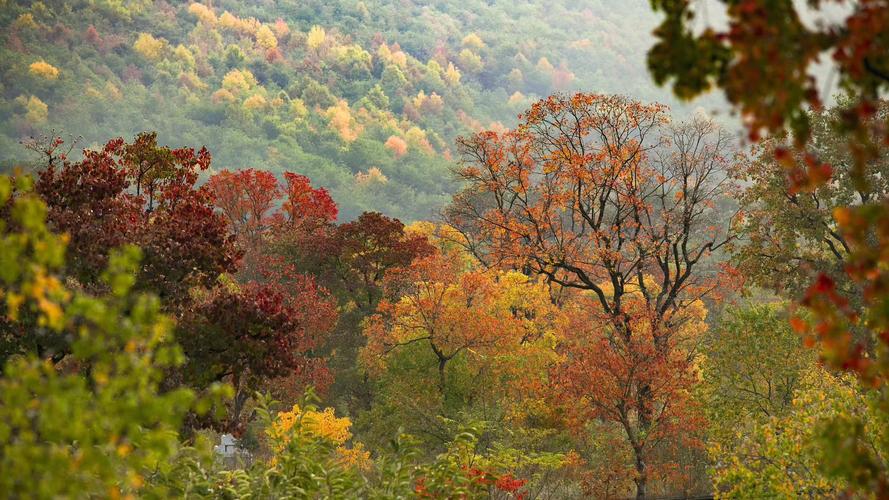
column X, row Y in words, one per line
column 361, row 252
column 264, row 213
column 144, row 194
column 252, row 333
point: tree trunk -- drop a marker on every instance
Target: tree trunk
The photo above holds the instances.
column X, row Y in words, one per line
column 641, row 475
column 644, row 400
column 441, row 375
column 645, row 416
column 241, row 396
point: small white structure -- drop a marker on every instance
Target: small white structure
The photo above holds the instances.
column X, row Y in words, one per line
column 227, row 447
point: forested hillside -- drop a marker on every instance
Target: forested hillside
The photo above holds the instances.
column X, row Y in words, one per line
column 364, row 97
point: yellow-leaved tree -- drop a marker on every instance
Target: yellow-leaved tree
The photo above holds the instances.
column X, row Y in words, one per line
column 343, row 122
column 43, row 70
column 266, row 38
column 783, row 457
column 36, row 111
column 473, row 42
column 324, row 425
column 149, row 47
column 316, row 37
column 237, row 81
column 203, row 13
column 452, row 75
column 256, row 102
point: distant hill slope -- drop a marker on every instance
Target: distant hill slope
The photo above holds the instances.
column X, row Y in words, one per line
column 365, row 97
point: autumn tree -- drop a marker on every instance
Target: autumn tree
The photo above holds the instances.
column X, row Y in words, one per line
column 247, row 200
column 766, row 397
column 261, row 211
column 143, row 194
column 248, row 334
column 790, row 236
column 802, row 450
column 44, row 70
column 267, row 215
column 470, row 334
column 266, row 38
column 150, row 47
column 287, row 229
column 397, row 145
column 639, row 385
column 306, row 207
column 254, row 202
column 136, row 193
column 88, row 200
column 364, row 251
column 316, row 37
column 599, row 193
column 351, row 260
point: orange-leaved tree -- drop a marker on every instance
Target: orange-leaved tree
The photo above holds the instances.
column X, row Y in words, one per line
column 479, row 337
column 476, row 313
column 600, row 193
column 247, row 199
column 638, row 384
column 260, row 209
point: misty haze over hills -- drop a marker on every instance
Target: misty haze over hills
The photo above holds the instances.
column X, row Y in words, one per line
column 364, row 97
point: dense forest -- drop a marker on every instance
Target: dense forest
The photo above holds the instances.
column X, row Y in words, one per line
column 365, row 98
column 443, row 249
